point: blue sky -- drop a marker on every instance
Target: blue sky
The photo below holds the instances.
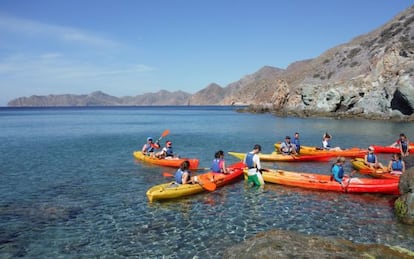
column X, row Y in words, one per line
column 133, row 47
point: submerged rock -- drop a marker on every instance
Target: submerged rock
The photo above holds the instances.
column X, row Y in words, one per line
column 287, row 244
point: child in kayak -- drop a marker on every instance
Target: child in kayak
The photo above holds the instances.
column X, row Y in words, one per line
column 183, row 175
column 326, row 143
column 219, row 165
column 396, row 165
column 371, row 159
column 166, row 152
column 337, row 170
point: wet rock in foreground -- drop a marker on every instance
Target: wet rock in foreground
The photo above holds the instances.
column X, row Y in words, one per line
column 286, row 244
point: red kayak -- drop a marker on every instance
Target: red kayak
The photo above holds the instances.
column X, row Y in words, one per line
column 324, row 182
column 389, row 149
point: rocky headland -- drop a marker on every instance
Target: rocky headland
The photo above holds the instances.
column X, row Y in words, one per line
column 372, row 77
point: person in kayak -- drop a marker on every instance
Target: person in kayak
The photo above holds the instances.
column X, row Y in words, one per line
column 287, row 148
column 183, row 175
column 371, row 159
column 166, row 152
column 252, row 161
column 403, row 144
column 337, row 170
column 149, row 147
column 219, row 165
column 326, row 142
column 296, row 142
column 396, row 164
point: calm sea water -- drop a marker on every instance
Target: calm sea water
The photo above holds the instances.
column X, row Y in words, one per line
column 70, row 186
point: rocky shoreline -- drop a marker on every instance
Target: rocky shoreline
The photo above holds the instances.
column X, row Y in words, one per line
column 288, row 244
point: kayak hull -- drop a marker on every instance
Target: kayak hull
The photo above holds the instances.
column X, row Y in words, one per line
column 176, row 162
column 324, row 182
column 172, row 190
column 309, row 150
column 389, row 149
column 275, row 157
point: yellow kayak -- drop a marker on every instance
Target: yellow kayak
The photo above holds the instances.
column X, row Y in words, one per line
column 173, row 190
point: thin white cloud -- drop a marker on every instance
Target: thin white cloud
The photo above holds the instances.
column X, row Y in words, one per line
column 54, row 66
column 30, row 28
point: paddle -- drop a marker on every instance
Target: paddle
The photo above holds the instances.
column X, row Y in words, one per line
column 165, row 133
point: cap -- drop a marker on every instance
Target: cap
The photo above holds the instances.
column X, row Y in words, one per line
column 149, row 138
column 371, row 148
column 287, row 137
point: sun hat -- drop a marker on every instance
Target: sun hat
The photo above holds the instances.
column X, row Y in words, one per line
column 149, row 138
column 371, row 148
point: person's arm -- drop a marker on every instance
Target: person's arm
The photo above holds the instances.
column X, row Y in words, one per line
column 185, row 178
column 256, row 160
column 223, row 166
column 390, row 166
column 144, row 149
column 403, row 166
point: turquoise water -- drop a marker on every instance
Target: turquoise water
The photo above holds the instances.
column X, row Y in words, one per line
column 70, row 186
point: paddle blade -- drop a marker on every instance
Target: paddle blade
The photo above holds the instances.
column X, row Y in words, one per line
column 167, row 175
column 209, row 186
column 165, row 133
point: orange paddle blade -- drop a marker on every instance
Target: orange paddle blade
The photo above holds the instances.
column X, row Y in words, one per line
column 165, row 133
column 167, row 175
column 209, row 186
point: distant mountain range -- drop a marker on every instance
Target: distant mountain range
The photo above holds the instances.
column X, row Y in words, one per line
column 372, row 76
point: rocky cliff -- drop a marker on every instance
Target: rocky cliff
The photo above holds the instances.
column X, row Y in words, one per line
column 371, row 76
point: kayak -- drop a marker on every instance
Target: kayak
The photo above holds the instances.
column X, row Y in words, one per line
column 389, row 149
column 172, row 190
column 324, row 182
column 358, row 163
column 309, row 150
column 276, row 157
column 175, row 162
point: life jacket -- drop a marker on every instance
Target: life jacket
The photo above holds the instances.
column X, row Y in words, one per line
column 404, row 145
column 340, row 171
column 216, row 165
column 396, row 165
column 179, row 176
column 288, row 146
column 169, row 151
column 371, row 158
column 249, row 160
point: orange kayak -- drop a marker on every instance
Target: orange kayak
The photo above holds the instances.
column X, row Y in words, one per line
column 175, row 162
column 324, row 182
column 309, row 150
